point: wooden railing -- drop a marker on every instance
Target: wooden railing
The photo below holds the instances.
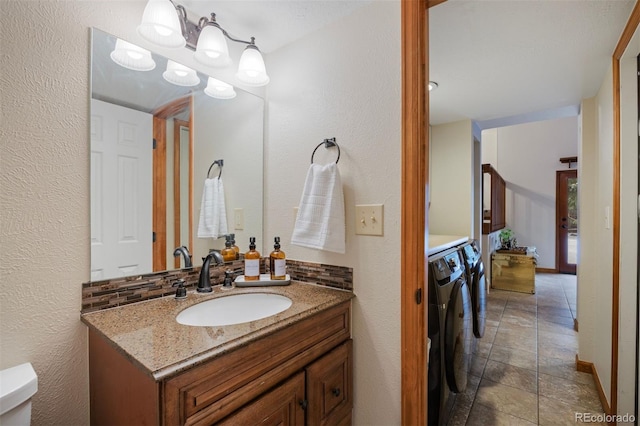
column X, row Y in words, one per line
column 494, row 218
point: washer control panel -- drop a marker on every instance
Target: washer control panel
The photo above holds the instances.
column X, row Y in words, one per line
column 447, row 267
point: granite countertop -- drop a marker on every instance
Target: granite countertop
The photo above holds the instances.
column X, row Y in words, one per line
column 148, row 334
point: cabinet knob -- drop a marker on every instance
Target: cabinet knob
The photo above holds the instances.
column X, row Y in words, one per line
column 335, row 392
column 303, row 403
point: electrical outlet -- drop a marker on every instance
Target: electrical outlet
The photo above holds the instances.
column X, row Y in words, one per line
column 238, row 219
column 369, row 219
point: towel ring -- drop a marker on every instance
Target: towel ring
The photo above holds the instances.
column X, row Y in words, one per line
column 328, row 143
column 219, row 163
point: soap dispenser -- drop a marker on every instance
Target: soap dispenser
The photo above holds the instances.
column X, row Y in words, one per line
column 234, row 246
column 228, row 253
column 252, row 262
column 277, row 262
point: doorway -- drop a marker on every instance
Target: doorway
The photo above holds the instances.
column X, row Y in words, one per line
column 567, row 221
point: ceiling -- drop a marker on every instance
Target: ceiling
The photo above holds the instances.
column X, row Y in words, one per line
column 504, row 62
column 497, row 62
column 274, row 23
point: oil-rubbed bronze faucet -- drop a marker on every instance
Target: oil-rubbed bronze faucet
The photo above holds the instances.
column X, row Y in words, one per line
column 204, row 281
column 182, row 250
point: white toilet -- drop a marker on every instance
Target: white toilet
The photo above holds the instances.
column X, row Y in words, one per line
column 17, row 385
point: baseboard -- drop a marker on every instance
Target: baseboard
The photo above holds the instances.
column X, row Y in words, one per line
column 546, row 270
column 575, row 324
column 584, row 366
column 589, row 367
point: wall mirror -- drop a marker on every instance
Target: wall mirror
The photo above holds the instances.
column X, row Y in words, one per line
column 152, row 146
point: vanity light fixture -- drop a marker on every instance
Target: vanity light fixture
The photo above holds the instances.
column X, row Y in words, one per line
column 432, row 86
column 207, row 38
column 180, row 75
column 219, row 89
column 161, row 25
column 132, row 57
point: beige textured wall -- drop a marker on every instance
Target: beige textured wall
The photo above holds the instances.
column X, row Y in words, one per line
column 44, row 193
column 595, row 194
column 604, row 199
column 452, row 149
column 344, row 81
column 44, row 185
column 587, row 258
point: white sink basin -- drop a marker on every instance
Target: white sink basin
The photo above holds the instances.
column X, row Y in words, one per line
column 234, row 309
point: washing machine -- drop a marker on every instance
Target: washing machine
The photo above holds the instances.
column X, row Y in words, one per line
column 450, row 331
column 474, row 268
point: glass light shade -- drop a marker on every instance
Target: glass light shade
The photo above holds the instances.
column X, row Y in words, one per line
column 219, row 89
column 251, row 69
column 180, row 75
column 132, row 57
column 161, row 25
column 212, row 49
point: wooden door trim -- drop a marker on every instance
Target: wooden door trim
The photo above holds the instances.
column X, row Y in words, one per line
column 414, row 228
column 160, row 194
column 177, row 213
column 559, row 190
column 623, row 42
column 192, row 114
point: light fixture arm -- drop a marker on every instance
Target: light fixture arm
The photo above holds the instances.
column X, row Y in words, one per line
column 191, row 31
column 212, row 21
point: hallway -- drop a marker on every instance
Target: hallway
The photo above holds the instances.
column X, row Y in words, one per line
column 523, row 371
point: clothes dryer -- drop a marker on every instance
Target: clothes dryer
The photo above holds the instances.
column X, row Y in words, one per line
column 474, row 269
column 450, row 331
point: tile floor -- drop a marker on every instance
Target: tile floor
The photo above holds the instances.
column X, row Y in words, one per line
column 523, row 372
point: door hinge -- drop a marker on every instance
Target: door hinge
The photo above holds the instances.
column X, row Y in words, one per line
column 418, row 296
column 155, row 144
column 153, row 237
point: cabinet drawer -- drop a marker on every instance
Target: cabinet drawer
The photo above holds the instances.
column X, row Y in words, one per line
column 329, row 387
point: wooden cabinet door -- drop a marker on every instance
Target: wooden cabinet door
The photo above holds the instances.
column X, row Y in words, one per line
column 281, row 406
column 329, row 387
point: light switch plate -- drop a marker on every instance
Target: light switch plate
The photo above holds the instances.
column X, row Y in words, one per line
column 238, row 219
column 369, row 219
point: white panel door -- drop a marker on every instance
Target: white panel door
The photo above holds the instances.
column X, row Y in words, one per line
column 121, row 191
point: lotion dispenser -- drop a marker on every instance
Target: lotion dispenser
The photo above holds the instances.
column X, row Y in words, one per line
column 228, row 253
column 277, row 262
column 252, row 262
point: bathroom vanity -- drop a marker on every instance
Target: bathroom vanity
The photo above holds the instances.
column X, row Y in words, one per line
column 294, row 367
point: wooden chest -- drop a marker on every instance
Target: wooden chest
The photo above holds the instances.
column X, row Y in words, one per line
column 514, row 272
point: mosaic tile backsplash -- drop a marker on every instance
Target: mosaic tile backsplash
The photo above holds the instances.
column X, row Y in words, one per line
column 106, row 294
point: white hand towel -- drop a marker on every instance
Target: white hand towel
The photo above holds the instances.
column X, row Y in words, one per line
column 213, row 213
column 320, row 221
